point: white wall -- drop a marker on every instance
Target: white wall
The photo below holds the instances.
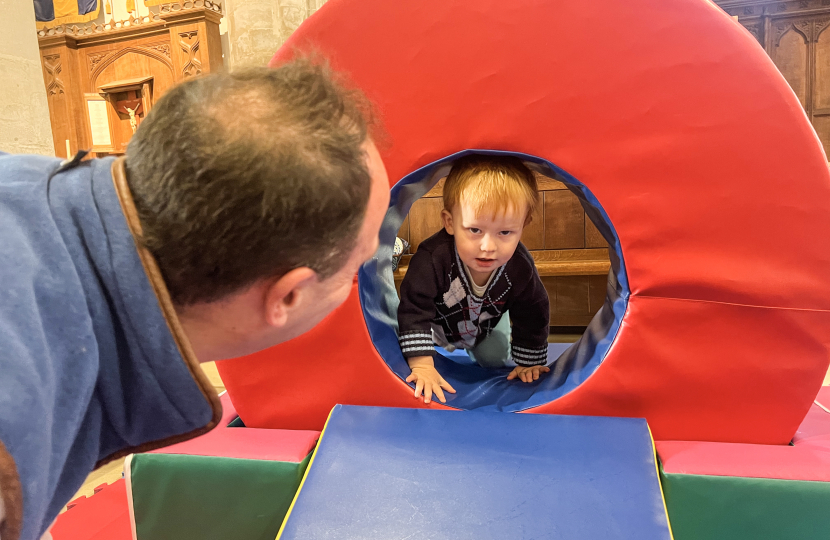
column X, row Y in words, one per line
column 24, row 113
column 257, row 28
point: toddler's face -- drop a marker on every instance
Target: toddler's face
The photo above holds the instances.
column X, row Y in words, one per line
column 484, row 242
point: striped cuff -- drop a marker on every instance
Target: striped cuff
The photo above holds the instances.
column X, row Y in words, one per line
column 417, row 344
column 530, row 357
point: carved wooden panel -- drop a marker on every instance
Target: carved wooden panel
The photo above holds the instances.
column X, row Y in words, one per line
column 794, row 34
column 189, row 51
column 821, row 91
column 821, row 97
column 52, row 67
column 822, row 127
column 757, row 31
column 176, row 42
column 135, row 60
column 58, row 78
column 790, row 55
column 134, row 64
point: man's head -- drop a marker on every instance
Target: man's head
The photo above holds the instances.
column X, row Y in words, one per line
column 487, row 202
column 259, row 194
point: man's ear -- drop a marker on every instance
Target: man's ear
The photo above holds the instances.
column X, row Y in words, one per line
column 286, row 293
column 446, row 219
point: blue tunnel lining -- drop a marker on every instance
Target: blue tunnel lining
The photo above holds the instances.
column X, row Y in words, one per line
column 479, row 388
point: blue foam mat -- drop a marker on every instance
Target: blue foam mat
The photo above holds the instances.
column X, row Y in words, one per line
column 382, row 473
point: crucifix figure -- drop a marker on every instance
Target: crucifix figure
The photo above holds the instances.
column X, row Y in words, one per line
column 131, row 107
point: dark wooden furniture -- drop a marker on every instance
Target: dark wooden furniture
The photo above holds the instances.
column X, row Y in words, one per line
column 129, row 64
column 794, row 34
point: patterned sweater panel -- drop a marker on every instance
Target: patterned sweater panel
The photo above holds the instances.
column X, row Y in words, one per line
column 436, row 291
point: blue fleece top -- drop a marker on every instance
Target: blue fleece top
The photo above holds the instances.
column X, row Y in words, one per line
column 89, row 368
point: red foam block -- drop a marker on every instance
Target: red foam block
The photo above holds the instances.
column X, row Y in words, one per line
column 671, row 133
column 807, row 459
column 104, row 516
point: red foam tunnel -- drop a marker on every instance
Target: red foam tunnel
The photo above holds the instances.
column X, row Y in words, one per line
column 695, row 147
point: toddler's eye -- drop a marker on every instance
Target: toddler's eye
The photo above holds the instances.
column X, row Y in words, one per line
column 475, row 230
column 505, row 233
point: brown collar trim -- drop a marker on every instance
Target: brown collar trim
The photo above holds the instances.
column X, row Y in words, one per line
column 12, row 494
column 125, row 197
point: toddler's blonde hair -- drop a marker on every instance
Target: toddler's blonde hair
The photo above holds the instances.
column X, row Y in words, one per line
column 491, row 184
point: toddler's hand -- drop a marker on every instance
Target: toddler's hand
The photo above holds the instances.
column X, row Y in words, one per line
column 427, row 379
column 527, row 374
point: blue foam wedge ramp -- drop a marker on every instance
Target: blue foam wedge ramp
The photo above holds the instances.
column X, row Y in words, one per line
column 382, row 474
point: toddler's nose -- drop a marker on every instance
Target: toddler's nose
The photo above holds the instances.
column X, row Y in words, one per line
column 487, row 244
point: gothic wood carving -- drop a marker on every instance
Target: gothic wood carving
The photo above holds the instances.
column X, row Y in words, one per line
column 163, row 48
column 147, row 48
column 802, row 27
column 95, row 58
column 52, row 64
column 757, row 30
column 110, row 58
column 189, row 43
column 805, row 64
column 819, row 25
column 750, row 8
column 149, row 20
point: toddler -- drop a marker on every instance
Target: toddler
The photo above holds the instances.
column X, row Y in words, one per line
column 464, row 279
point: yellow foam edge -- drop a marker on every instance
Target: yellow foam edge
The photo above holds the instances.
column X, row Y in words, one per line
column 305, row 475
column 660, row 482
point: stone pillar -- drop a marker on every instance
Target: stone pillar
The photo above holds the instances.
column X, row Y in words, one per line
column 24, row 113
column 257, row 28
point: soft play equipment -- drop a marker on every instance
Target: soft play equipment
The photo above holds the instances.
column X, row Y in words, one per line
column 103, row 516
column 233, row 482
column 689, row 152
column 381, row 473
column 713, row 490
column 751, row 491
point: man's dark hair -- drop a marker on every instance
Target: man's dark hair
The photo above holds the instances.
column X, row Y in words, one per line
column 248, row 175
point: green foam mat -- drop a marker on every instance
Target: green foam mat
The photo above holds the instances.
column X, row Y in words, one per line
column 184, row 497
column 705, row 507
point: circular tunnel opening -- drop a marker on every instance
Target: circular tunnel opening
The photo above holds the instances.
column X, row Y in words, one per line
column 479, row 388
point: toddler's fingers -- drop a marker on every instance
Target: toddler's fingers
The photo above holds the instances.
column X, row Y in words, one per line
column 512, row 375
column 544, row 369
column 411, row 377
column 440, row 394
column 419, row 387
column 446, row 386
column 427, row 393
